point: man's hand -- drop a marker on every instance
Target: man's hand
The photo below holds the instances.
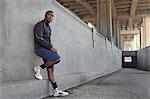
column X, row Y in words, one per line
column 53, row 49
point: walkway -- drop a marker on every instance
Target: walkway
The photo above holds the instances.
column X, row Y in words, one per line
column 124, row 84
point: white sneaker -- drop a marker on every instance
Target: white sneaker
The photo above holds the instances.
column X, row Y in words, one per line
column 37, row 71
column 58, row 92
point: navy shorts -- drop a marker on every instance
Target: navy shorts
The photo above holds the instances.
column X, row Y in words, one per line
column 47, row 54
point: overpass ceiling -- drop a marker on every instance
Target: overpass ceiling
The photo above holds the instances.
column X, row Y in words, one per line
column 129, row 12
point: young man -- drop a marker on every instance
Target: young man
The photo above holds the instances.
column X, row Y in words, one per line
column 44, row 49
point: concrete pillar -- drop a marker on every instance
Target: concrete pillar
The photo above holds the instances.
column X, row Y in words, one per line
column 146, row 28
column 145, row 32
column 141, row 38
column 104, row 18
column 116, row 36
column 138, row 41
column 122, row 43
column 116, row 33
column 119, row 35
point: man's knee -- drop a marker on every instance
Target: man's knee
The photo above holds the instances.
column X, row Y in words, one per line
column 57, row 61
column 53, row 63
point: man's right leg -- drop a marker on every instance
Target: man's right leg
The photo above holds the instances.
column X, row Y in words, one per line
column 50, row 58
column 47, row 63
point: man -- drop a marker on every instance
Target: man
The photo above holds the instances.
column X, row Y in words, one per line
column 44, row 49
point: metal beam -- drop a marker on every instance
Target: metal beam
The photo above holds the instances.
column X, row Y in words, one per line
column 89, row 19
column 86, row 17
column 79, row 10
column 123, row 10
column 122, row 6
column 94, row 1
column 132, row 12
column 143, row 5
column 128, row 2
column 143, row 8
column 123, row 2
column 114, row 10
column 66, row 0
column 128, row 17
column 75, row 6
column 87, row 6
column 70, row 3
column 83, row 13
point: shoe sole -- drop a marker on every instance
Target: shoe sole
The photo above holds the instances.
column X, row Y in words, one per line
column 61, row 95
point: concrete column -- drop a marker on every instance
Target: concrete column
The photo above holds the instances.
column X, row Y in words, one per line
column 117, row 29
column 116, row 32
column 138, row 41
column 141, row 37
column 119, row 34
column 98, row 16
column 104, row 18
column 122, row 43
column 146, row 34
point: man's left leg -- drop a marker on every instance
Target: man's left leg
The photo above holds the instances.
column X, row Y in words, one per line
column 47, row 63
column 51, row 78
column 57, row 91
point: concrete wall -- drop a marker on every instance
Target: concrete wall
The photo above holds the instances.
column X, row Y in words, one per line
column 81, row 61
column 0, row 44
column 0, row 36
column 143, row 59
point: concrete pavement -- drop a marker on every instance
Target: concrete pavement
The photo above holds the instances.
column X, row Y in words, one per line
column 125, row 84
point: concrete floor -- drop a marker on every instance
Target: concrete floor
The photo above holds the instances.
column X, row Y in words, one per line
column 124, row 84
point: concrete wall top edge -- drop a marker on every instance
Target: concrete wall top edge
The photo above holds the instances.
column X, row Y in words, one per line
column 77, row 18
column 70, row 13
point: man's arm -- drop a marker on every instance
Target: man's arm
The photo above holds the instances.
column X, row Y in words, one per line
column 38, row 32
column 53, row 49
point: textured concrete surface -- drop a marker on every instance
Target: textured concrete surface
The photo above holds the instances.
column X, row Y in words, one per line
column 29, row 89
column 125, row 84
column 143, row 59
column 80, row 61
column 74, row 43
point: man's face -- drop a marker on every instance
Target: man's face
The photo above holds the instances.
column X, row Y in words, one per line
column 49, row 17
